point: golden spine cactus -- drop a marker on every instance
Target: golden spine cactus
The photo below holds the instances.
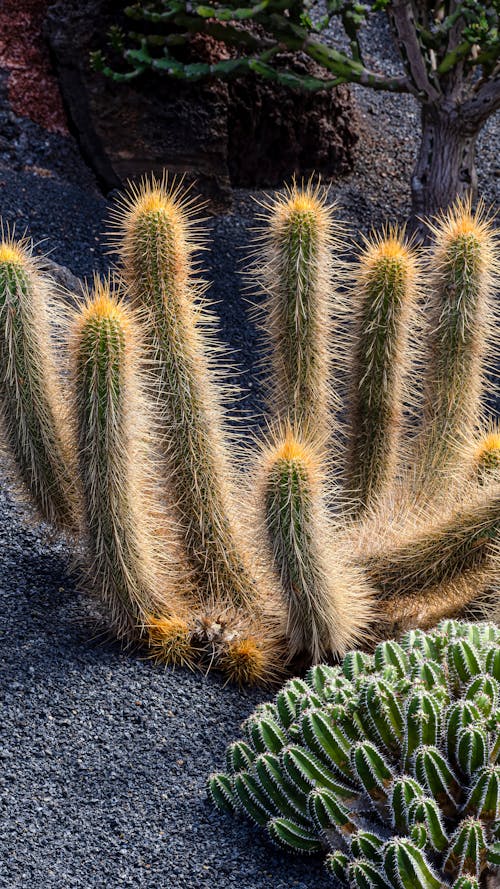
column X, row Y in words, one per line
column 384, row 298
column 250, row 584
column 295, row 269
column 31, row 396
column 461, row 334
column 328, row 599
column 116, row 470
column 156, row 241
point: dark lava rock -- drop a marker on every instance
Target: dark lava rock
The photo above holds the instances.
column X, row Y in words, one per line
column 248, row 132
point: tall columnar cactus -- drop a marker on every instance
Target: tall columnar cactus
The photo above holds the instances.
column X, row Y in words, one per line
column 384, row 300
column 31, row 399
column 121, row 523
column 390, row 764
column 157, row 239
column 294, row 265
column 327, row 598
column 461, row 336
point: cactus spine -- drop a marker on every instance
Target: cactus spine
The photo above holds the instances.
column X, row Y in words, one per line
column 460, row 315
column 32, row 401
column 328, row 602
column 156, row 242
column 389, row 763
column 384, row 299
column 294, row 265
column 115, row 467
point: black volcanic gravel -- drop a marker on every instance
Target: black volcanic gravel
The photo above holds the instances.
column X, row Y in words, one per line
column 103, row 759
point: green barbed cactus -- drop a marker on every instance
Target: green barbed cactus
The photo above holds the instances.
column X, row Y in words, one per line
column 127, row 560
column 388, row 763
column 32, row 403
column 384, row 300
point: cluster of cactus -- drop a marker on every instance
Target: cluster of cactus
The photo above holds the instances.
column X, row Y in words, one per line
column 204, row 551
column 389, row 763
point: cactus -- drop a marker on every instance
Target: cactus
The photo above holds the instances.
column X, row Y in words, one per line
column 31, row 398
column 388, row 763
column 156, row 240
column 384, row 296
column 210, row 556
column 460, row 340
column 126, row 565
column 295, row 269
column 328, row 599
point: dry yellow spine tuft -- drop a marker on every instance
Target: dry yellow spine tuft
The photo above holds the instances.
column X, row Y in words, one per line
column 169, row 641
column 244, row 662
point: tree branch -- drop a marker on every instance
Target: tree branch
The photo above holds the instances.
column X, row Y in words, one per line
column 410, row 47
column 483, row 102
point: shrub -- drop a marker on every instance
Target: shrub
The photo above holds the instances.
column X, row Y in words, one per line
column 388, row 763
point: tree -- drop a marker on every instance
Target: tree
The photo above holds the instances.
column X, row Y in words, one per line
column 449, row 52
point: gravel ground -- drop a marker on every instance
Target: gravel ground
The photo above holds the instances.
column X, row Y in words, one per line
column 105, row 758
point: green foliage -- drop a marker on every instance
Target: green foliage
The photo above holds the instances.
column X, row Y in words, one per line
column 458, row 34
column 388, row 763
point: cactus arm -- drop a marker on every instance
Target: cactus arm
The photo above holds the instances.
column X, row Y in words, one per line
column 115, row 467
column 460, row 339
column 156, row 244
column 31, row 391
column 328, row 603
column 384, row 298
column 294, row 268
column 461, row 546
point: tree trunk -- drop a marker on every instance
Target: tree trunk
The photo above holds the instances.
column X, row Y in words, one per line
column 445, row 167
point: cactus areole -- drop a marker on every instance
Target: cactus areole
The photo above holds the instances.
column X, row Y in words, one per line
column 390, row 764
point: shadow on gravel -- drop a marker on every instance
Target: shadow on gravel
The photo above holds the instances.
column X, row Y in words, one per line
column 104, row 758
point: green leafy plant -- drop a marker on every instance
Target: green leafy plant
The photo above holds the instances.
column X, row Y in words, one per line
column 448, row 60
column 389, row 763
column 254, row 559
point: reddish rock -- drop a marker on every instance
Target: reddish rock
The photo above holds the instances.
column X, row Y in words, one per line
column 32, row 89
